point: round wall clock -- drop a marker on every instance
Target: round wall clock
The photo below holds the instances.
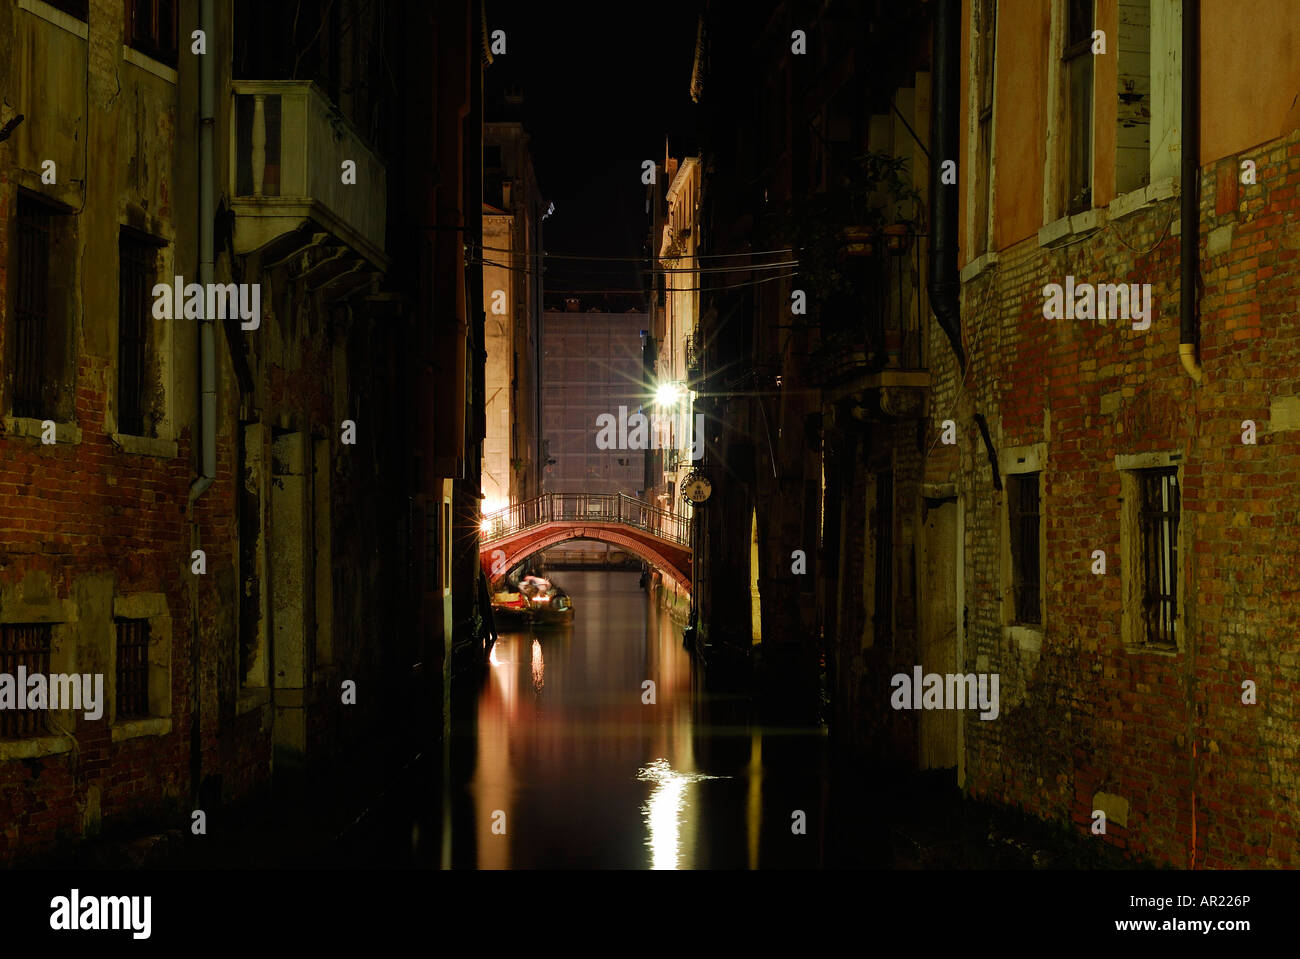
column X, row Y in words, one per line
column 696, row 487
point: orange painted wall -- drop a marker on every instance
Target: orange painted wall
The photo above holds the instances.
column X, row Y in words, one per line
column 1020, row 119
column 1250, row 74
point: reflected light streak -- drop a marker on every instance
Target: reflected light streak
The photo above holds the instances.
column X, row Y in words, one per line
column 662, row 811
column 539, row 667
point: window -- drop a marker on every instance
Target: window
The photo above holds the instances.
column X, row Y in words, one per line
column 883, row 611
column 1158, row 556
column 985, row 44
column 151, row 28
column 136, row 405
column 1024, row 523
column 40, row 375
column 132, row 668
column 1133, row 114
column 1076, row 57
column 24, row 645
column 73, row 8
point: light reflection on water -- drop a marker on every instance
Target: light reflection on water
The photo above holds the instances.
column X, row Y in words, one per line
column 585, row 774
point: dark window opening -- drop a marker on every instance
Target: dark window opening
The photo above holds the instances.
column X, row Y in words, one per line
column 73, row 8
column 136, row 268
column 1158, row 522
column 26, row 645
column 132, row 668
column 986, row 26
column 32, row 309
column 1077, row 58
column 151, row 28
column 1024, row 515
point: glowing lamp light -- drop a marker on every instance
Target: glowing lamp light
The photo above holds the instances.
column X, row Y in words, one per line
column 668, row 394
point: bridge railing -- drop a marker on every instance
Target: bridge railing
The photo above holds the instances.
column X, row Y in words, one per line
column 586, row 507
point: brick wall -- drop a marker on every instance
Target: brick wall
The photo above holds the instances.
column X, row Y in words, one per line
column 1209, row 781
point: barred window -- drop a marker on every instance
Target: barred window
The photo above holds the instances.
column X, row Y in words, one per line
column 39, row 347
column 26, row 645
column 132, row 668
column 1158, row 522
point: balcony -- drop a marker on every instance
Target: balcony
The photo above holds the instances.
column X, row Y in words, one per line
column 286, row 170
column 872, row 342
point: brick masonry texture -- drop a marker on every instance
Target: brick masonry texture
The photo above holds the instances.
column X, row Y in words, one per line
column 1210, row 782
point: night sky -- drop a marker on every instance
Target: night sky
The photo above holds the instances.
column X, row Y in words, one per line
column 604, row 84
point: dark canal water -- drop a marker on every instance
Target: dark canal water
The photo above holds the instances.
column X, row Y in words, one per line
column 565, row 765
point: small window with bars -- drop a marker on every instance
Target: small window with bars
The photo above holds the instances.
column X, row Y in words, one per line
column 1024, row 522
column 1158, row 515
column 132, row 668
column 24, row 645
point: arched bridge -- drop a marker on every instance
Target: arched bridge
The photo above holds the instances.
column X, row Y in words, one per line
column 509, row 536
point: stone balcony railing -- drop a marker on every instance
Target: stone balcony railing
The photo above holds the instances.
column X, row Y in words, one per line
column 287, row 170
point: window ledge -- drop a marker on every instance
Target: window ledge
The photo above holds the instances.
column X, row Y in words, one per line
column 1069, row 228
column 35, row 747
column 1152, row 651
column 145, row 445
column 1027, row 638
column 978, row 265
column 55, row 16
column 135, row 728
column 32, row 428
column 252, row 698
column 148, row 64
column 1129, row 203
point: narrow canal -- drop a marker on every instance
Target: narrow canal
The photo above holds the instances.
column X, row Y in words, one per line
column 574, row 766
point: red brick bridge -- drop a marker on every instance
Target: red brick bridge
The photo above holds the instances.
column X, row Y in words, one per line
column 509, row 536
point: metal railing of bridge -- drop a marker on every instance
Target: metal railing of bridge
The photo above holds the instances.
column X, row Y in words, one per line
column 586, row 508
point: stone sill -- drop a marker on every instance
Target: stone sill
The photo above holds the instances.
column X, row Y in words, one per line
column 55, row 16
column 32, row 428
column 252, row 698
column 1129, row 203
column 1153, row 651
column 1069, row 228
column 1028, row 638
column 150, row 65
column 135, row 728
column 978, row 265
column 145, row 445
column 35, row 747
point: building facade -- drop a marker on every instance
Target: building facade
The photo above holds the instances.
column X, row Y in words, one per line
column 214, row 312
column 512, row 292
column 1053, row 433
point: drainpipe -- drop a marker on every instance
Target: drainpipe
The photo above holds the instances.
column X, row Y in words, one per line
column 207, row 352
column 1188, row 323
column 208, row 378
column 944, row 285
